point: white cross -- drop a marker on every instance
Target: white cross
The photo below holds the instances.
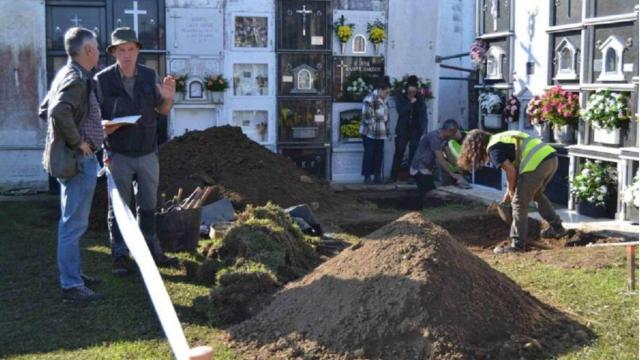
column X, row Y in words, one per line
column 135, row 12
column 342, row 67
column 495, row 14
column 76, row 20
column 304, row 13
column 175, row 17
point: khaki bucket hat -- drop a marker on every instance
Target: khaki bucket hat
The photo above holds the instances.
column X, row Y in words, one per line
column 121, row 36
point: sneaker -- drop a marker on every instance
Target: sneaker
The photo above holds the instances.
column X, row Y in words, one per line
column 554, row 232
column 506, row 249
column 79, row 294
column 90, row 281
column 165, row 261
column 120, row 266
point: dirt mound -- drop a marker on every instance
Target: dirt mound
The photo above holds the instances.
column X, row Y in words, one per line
column 246, row 172
column 408, row 291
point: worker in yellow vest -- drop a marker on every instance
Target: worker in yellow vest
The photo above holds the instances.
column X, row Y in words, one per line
column 451, row 152
column 529, row 165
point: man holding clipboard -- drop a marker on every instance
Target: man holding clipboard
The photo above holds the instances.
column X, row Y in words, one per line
column 132, row 98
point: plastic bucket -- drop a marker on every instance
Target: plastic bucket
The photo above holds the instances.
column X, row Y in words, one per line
column 179, row 230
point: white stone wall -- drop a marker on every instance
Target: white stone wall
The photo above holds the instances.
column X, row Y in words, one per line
column 456, row 33
column 23, row 79
column 532, row 47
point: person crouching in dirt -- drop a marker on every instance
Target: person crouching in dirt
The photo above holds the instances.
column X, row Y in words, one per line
column 430, row 152
column 451, row 152
column 529, row 165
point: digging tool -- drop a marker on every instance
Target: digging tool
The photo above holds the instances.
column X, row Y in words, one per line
column 503, row 209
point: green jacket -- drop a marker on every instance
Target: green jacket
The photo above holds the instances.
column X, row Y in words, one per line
column 64, row 108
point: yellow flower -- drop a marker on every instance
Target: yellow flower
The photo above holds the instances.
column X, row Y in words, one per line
column 377, row 35
column 344, row 32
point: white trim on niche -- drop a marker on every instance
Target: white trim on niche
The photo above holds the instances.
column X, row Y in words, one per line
column 494, row 56
column 566, row 60
column 612, row 50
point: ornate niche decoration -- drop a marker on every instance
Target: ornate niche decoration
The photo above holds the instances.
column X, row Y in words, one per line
column 195, row 90
column 304, row 77
column 612, row 50
column 494, row 57
column 566, row 60
column 359, row 44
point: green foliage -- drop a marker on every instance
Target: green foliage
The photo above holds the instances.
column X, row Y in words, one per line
column 594, row 183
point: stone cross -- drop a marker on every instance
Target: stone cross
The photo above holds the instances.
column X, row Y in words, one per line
column 175, row 17
column 304, row 13
column 76, row 20
column 135, row 12
column 342, row 67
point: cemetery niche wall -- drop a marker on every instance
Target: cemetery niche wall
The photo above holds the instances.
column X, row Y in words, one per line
column 304, row 43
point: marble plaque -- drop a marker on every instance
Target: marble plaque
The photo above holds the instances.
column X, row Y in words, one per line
column 347, row 69
column 195, row 31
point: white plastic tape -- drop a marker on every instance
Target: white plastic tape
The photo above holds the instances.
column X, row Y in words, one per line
column 138, row 247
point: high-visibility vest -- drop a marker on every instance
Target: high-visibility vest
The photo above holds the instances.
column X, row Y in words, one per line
column 530, row 151
column 452, row 151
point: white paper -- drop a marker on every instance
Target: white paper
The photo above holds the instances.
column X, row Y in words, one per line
column 138, row 247
column 628, row 67
column 317, row 40
column 318, row 118
column 287, row 78
column 123, row 120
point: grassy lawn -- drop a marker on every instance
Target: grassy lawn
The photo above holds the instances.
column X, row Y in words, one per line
column 34, row 323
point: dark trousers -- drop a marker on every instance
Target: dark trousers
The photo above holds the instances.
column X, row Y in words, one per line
column 424, row 183
column 373, row 155
column 401, row 145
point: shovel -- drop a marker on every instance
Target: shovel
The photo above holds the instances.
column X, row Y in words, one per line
column 503, row 209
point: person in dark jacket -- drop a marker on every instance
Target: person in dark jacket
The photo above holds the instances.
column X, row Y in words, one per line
column 412, row 123
column 74, row 135
column 124, row 89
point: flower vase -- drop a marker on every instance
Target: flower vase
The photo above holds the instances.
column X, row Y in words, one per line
column 544, row 131
column 343, row 47
column 589, row 209
column 492, row 121
column 606, row 136
column 564, row 134
column 216, row 97
column 376, row 48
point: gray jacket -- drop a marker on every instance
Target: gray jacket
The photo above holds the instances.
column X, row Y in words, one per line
column 64, row 108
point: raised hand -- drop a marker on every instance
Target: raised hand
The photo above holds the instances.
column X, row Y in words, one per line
column 168, row 88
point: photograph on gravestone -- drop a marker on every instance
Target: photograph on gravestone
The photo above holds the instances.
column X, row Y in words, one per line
column 251, row 32
column 355, row 77
column 609, row 7
column 143, row 17
column 367, row 5
column 250, row 79
column 566, row 12
column 615, row 52
column 254, row 123
column 195, row 89
column 303, row 74
column 304, row 25
column 195, row 31
column 303, row 121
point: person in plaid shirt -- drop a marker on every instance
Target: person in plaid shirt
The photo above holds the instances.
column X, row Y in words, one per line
column 374, row 131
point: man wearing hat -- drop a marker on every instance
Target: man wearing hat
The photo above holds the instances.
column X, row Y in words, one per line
column 128, row 88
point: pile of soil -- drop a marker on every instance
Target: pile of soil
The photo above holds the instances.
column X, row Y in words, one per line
column 407, row 291
column 245, row 172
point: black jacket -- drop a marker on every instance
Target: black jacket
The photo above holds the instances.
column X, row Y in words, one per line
column 412, row 118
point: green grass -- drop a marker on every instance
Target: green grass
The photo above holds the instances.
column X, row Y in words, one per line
column 34, row 324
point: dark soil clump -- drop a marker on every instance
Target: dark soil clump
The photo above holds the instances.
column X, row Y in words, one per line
column 407, row 291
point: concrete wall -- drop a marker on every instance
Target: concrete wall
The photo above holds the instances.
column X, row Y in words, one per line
column 532, row 47
column 22, row 75
column 456, row 33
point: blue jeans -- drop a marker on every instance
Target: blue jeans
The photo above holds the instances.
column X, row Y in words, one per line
column 373, row 155
column 76, row 195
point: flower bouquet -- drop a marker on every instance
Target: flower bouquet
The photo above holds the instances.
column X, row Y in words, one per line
column 181, row 85
column 608, row 112
column 357, row 87
column 536, row 118
column 491, row 106
column 593, row 187
column 631, row 195
column 511, row 112
column 477, row 52
column 561, row 108
column 216, row 85
column 343, row 31
column 399, row 87
column 377, row 33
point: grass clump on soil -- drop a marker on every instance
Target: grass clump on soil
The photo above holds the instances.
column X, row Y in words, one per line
column 263, row 250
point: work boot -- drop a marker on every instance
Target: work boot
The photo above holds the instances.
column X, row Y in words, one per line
column 90, row 281
column 506, row 248
column 553, row 232
column 120, row 266
column 79, row 294
column 165, row 261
